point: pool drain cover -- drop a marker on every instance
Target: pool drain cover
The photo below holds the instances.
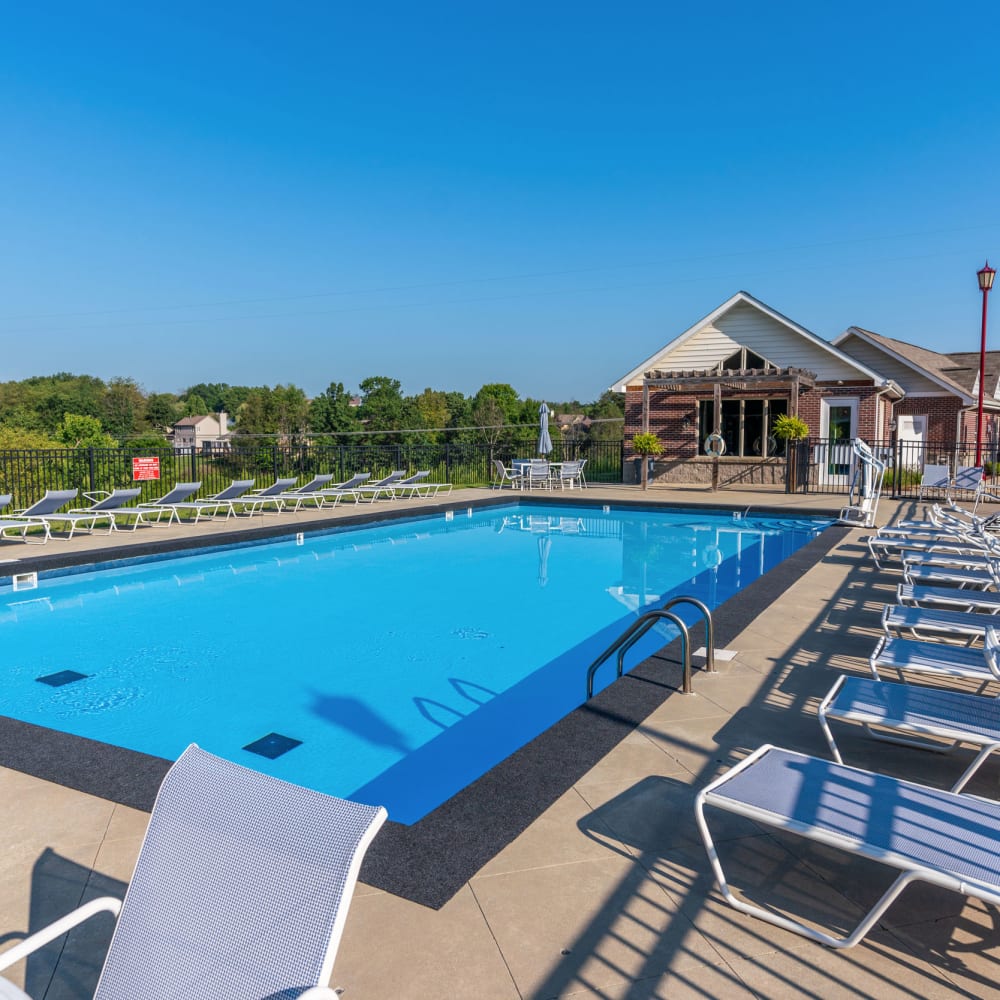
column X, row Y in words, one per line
column 63, row 677
column 273, row 745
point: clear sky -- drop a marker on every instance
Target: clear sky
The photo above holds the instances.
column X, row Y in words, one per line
column 459, row 193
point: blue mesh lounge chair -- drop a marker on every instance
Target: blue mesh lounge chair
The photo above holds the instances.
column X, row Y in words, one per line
column 25, row 527
column 939, row 660
column 910, row 713
column 330, row 496
column 958, row 598
column 934, row 623
column 507, row 476
column 979, row 578
column 926, row 834
column 240, row 892
column 48, row 510
column 417, row 486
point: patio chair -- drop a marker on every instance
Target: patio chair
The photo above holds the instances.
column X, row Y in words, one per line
column 902, row 543
column 48, row 510
column 970, row 479
column 914, row 716
column 240, row 892
column 538, row 475
column 115, row 504
column 974, row 578
column 272, row 495
column 938, row 660
column 916, row 595
column 934, row 477
column 569, row 475
column 413, row 485
column 507, row 476
column 909, row 827
column 383, row 487
column 25, row 527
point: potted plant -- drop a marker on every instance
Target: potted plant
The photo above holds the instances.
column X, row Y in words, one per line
column 787, row 428
column 647, row 447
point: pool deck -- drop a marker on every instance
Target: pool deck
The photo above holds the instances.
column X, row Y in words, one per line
column 608, row 893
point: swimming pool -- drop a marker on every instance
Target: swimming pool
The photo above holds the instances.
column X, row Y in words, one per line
column 393, row 664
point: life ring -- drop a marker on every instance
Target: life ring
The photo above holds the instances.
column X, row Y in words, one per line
column 711, row 556
column 715, row 445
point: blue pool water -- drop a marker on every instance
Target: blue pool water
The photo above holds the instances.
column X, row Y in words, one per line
column 406, row 659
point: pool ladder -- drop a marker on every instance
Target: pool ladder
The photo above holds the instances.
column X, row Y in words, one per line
column 643, row 624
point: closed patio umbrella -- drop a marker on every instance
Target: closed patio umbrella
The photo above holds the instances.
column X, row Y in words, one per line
column 544, row 441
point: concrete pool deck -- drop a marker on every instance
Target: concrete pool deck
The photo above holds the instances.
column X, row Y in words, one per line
column 608, row 893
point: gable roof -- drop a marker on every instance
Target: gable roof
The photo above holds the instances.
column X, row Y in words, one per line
column 748, row 299
column 193, row 421
column 957, row 373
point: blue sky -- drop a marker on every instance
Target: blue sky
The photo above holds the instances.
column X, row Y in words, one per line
column 453, row 194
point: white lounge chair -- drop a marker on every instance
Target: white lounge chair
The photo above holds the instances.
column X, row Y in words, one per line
column 570, row 475
column 116, row 503
column 178, row 494
column 907, row 826
column 241, row 890
column 957, row 598
column 913, row 716
column 924, row 623
column 418, row 486
column 309, row 492
column 938, row 660
column 269, row 496
column 970, row 479
column 225, row 500
column 922, row 572
column 48, row 510
column 934, row 477
column 372, row 491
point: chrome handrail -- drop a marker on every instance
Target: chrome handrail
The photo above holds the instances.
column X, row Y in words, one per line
column 632, row 635
column 709, row 627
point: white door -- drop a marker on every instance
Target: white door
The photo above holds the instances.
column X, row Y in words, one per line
column 838, row 426
column 911, row 432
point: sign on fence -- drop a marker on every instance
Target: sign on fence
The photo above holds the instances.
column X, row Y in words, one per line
column 146, row 468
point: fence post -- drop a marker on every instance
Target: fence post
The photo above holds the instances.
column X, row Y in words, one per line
column 447, row 461
column 93, row 469
column 274, row 459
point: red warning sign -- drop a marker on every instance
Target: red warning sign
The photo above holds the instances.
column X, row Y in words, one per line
column 146, row 468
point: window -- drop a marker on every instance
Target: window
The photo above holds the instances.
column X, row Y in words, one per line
column 746, row 425
column 745, row 358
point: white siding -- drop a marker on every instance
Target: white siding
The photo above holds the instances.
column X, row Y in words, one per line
column 903, row 375
column 745, row 326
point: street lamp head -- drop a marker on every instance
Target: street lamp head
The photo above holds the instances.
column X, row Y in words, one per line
column 985, row 276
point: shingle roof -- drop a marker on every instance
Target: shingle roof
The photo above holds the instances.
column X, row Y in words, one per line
column 959, row 370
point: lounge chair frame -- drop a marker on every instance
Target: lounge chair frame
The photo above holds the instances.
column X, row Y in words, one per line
column 887, row 709
column 928, row 835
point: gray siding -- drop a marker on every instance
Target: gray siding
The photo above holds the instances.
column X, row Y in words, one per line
column 903, row 375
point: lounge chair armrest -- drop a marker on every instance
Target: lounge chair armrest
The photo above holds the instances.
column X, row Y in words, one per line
column 96, row 495
column 106, row 904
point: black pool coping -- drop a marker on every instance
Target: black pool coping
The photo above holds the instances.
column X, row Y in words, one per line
column 430, row 860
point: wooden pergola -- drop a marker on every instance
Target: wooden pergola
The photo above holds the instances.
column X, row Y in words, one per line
column 791, row 380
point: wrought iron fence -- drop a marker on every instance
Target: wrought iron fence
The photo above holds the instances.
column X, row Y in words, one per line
column 28, row 473
column 828, row 465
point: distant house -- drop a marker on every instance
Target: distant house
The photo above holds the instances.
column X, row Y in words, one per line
column 207, row 431
column 571, row 425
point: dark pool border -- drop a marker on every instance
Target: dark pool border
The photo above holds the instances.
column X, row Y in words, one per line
column 429, row 861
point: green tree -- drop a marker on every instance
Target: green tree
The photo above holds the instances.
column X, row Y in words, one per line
column 161, row 411
column 78, row 430
column 382, row 405
column 331, row 411
column 124, row 405
column 609, row 412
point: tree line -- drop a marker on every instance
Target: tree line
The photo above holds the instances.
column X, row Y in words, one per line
column 65, row 410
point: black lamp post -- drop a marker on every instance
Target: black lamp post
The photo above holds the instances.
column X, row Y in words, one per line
column 985, row 276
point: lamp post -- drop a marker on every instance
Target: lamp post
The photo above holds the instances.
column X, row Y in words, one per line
column 985, row 276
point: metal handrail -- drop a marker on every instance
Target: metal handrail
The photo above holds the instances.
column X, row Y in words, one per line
column 709, row 626
column 632, row 635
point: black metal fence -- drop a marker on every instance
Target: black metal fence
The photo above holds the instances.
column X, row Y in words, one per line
column 828, row 465
column 28, row 473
